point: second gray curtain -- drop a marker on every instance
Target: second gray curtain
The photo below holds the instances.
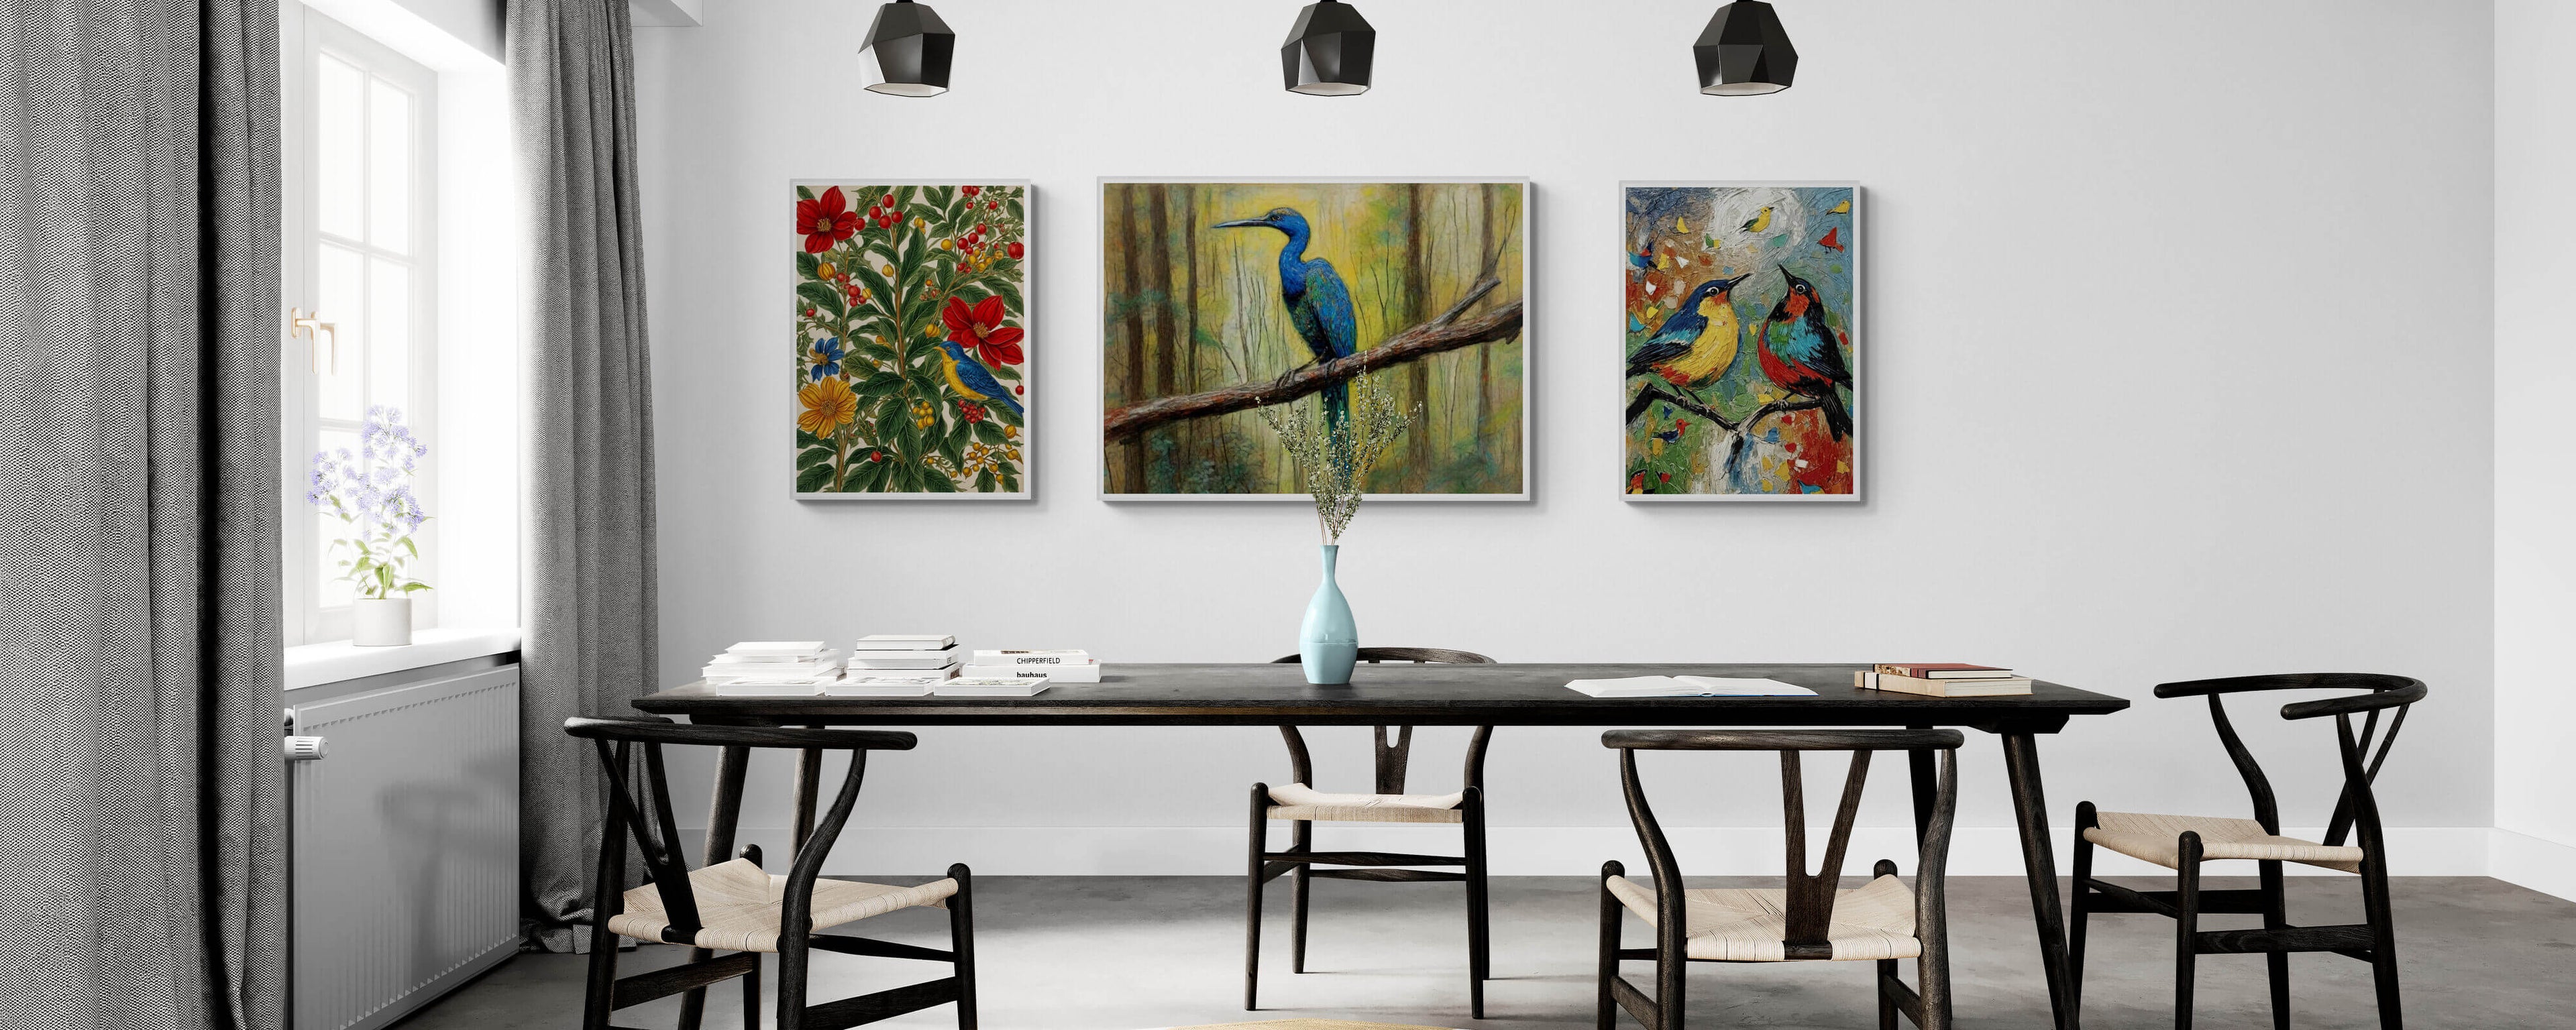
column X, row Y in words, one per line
column 589, row 559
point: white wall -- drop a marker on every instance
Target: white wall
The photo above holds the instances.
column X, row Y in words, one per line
column 2179, row 339
column 2535, row 600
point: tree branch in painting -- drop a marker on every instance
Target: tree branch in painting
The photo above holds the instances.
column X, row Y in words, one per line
column 1739, row 431
column 1446, row 333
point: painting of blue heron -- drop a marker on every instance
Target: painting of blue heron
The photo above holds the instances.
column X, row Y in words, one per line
column 1742, row 326
column 1219, row 299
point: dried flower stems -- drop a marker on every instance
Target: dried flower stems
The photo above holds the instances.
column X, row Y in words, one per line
column 1335, row 461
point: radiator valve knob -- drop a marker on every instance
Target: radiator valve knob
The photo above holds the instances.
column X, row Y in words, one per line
column 306, row 749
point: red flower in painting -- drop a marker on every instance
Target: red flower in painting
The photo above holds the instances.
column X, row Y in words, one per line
column 981, row 328
column 825, row 220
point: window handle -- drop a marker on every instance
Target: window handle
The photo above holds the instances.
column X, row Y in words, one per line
column 312, row 327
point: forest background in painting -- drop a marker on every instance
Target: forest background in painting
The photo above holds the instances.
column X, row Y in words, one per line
column 911, row 339
column 1739, row 328
column 1193, row 309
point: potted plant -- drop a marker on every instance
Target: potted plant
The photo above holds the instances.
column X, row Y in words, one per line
column 1335, row 447
column 369, row 490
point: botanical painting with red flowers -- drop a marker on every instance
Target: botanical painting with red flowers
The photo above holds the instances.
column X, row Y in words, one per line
column 912, row 342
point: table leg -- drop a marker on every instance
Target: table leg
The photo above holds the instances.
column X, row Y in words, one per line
column 722, row 815
column 809, row 771
column 1927, row 787
column 2030, row 811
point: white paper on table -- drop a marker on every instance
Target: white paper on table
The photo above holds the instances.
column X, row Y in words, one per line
column 1688, row 686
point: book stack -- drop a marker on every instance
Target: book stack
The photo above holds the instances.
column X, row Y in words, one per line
column 897, row 665
column 946, row 684
column 1063, row 665
column 1942, row 679
column 773, row 668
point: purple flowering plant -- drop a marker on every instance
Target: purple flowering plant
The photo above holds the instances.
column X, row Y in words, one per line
column 369, row 489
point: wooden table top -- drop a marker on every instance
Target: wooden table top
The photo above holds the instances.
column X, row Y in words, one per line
column 1132, row 694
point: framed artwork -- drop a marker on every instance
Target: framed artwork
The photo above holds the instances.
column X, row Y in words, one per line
column 1220, row 298
column 1742, row 374
column 912, row 346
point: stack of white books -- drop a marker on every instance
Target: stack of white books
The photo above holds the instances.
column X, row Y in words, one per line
column 773, row 668
column 1064, row 665
column 941, row 685
column 901, row 660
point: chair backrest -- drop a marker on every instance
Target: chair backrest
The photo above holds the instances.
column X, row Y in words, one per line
column 1810, row 895
column 1394, row 752
column 2356, row 806
column 625, row 742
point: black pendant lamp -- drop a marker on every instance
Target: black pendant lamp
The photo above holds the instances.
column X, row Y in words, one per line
column 908, row 51
column 1744, row 52
column 1328, row 51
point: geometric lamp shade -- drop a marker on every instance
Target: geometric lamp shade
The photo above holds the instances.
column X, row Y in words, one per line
column 1328, row 51
column 1744, row 52
column 908, row 51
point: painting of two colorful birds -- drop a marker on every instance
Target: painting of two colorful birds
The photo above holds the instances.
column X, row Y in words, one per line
column 911, row 339
column 1740, row 320
column 1219, row 298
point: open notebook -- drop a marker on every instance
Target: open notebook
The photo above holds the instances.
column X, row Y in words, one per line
column 1687, row 686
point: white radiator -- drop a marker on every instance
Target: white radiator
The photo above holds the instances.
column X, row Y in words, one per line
column 406, row 846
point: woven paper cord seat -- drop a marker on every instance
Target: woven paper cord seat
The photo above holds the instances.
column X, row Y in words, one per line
column 1299, row 801
column 2155, row 838
column 1872, row 922
column 739, row 902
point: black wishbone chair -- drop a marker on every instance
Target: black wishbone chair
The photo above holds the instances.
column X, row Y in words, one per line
column 1813, row 919
column 1301, row 804
column 740, row 908
column 2181, row 843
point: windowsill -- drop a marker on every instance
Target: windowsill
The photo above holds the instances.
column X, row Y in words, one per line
column 313, row 665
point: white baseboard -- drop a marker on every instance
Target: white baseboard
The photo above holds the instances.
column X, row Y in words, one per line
column 2527, row 861
column 1537, row 850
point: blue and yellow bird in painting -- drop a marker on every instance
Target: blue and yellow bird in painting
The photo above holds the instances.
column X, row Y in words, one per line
column 972, row 380
column 1697, row 344
column 1802, row 353
column 1319, row 304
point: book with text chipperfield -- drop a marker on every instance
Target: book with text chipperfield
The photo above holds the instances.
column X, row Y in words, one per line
column 1944, row 671
column 1057, row 656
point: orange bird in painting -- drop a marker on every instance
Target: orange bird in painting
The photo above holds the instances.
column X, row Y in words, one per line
column 1833, row 238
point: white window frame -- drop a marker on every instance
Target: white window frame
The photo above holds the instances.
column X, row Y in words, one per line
column 306, row 35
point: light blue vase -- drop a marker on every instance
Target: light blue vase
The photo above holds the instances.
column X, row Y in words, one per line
column 1329, row 642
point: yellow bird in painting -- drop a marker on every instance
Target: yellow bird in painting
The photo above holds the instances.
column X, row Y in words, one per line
column 1682, row 226
column 1843, row 208
column 1760, row 222
column 1696, row 345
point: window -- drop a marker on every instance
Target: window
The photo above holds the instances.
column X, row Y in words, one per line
column 361, row 268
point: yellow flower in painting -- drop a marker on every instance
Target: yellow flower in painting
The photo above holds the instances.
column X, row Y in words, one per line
column 923, row 414
column 829, row 405
column 947, row 244
column 826, row 271
column 1010, row 432
column 886, row 270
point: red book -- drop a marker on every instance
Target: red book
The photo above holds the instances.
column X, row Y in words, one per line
column 1944, row 671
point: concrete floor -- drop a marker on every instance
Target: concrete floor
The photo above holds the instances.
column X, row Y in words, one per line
column 1119, row 953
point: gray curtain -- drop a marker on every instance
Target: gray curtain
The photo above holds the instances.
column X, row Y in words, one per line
column 589, row 613
column 142, row 793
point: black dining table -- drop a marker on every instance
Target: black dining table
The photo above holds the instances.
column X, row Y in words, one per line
column 1184, row 694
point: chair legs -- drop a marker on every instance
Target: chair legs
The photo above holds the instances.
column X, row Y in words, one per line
column 2276, row 915
column 2383, row 943
column 1480, row 942
column 1302, row 838
column 2079, row 906
column 1607, row 1006
column 1259, row 863
column 961, row 944
column 2186, row 926
column 1252, row 898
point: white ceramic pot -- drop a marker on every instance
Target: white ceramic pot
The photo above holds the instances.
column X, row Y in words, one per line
column 381, row 623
